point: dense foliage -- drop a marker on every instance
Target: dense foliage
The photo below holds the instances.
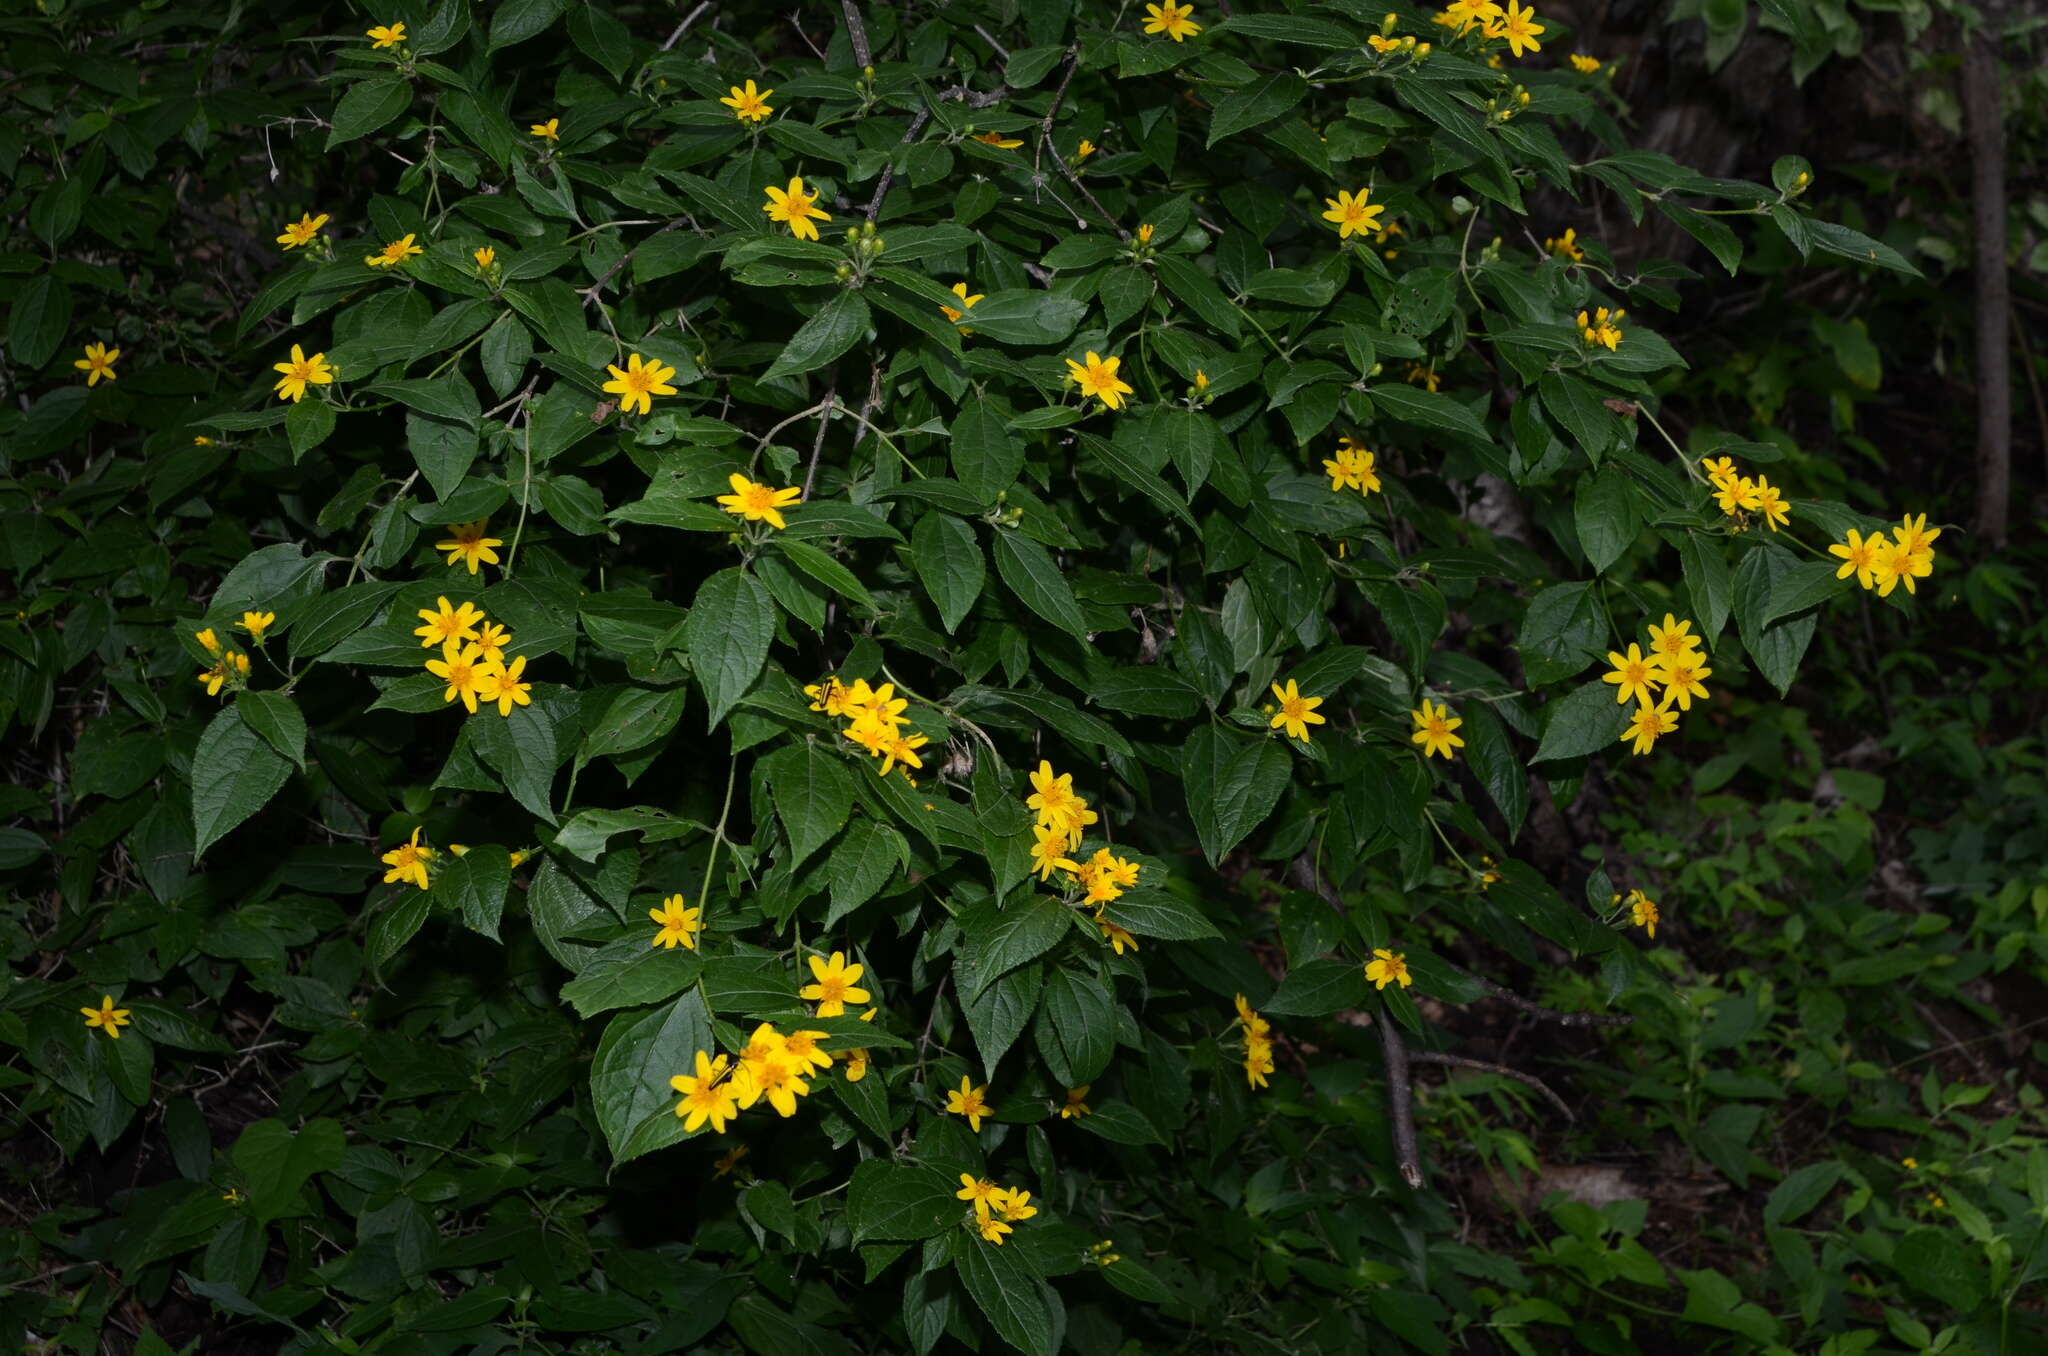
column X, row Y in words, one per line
column 878, row 681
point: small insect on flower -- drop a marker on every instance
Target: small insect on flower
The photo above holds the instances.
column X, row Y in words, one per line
column 1171, row 20
column 408, row 861
column 97, row 363
column 707, row 1096
column 1351, row 213
column 797, row 208
column 749, row 104
column 387, row 35
column 302, row 232
column 758, row 503
column 106, row 1017
column 677, row 926
column 300, row 373
column 1387, row 967
column 1296, row 712
column 394, row 254
column 1433, row 730
column 467, row 545
column 1097, row 377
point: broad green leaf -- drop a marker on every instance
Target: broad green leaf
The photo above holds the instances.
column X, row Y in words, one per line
column 367, row 106
column 909, row 1201
column 632, row 972
column 521, row 749
column 1775, row 647
column 1706, row 582
column 1076, row 1026
column 985, row 457
column 635, row 718
column 1605, row 515
column 997, row 940
column 948, row 561
column 1427, row 410
column 996, row 1013
column 1492, row 759
column 1028, row 569
column 1801, row 1191
column 1232, row 784
column 1009, row 1295
column 1260, row 102
column 1562, row 632
column 639, row 1053
column 825, row 570
column 1199, row 292
column 518, row 20
column 474, row 885
column 235, row 772
column 276, row 717
column 1585, row 721
column 861, row 863
column 274, row 1162
column 837, row 327
column 1027, row 316
column 731, row 622
column 38, row 320
column 1319, row 987
column 1158, row 913
column 813, row 795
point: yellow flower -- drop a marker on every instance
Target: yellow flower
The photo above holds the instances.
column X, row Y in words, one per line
column 106, row 1016
column 1888, row 567
column 837, row 985
column 757, row 503
column 999, row 141
column 1910, row 1162
column 1097, row 377
column 992, row 1230
column 1771, row 504
column 1016, row 1205
column 679, row 926
column 775, row 1079
column 468, row 544
column 1172, row 20
column 1465, row 14
column 394, row 254
column 832, row 697
column 798, row 208
column 1077, row 1103
column 1583, row 64
column 984, row 1194
column 966, row 304
column 408, row 861
column 1913, row 553
column 709, row 1096
column 303, row 231
column 1426, row 377
column 445, row 623
column 485, row 257
column 749, row 104
column 1647, row 724
column 801, row 1049
column 1296, row 712
column 464, row 669
column 1433, row 727
column 1684, row 679
column 1735, row 494
column 1084, row 150
column 1248, row 1017
column 503, row 684
column 201, row 440
column 641, row 380
column 1352, row 467
column 1859, row 556
column 256, row 623
column 1145, row 233
column 1566, row 246
column 98, row 362
column 551, row 130
column 1382, row 45
column 901, row 749
column 1351, row 213
column 387, row 36
column 1117, row 938
column 1201, row 380
column 1520, row 28
column 969, row 1101
column 1258, row 1061
column 1634, row 674
column 208, row 641
column 1387, row 967
column 1673, row 640
column 1601, row 329
column 215, row 677
column 1720, row 470
column 1643, row 912
column 301, row 372
column 1049, row 852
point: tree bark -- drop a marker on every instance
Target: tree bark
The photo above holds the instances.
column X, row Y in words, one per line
column 1986, row 131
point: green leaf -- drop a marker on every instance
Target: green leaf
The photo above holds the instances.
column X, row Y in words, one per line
column 1775, row 647
column 521, row 749
column 518, row 20
column 367, row 106
column 1935, row 1262
column 996, row 1013
column 447, row 397
column 38, row 320
column 1260, row 102
column 1295, row 28
column 1716, row 1301
column 639, row 1053
column 274, row 1163
column 1076, row 1027
column 1157, row 913
column 1426, row 410
column 1027, row 316
column 307, row 424
column 235, row 772
column 727, row 632
column 837, row 327
column 900, row 1201
column 1121, row 1123
column 1009, row 1295
column 1319, row 987
column 1199, row 292
column 275, row 717
column 1562, row 632
column 1232, row 784
column 635, row 718
column 1803, row 586
column 1801, row 1191
column 813, row 794
column 1706, row 581
column 474, row 885
column 1847, row 244
column 997, row 940
column 630, row 973
column 825, row 570
column 1028, row 569
column 1587, row 720
column 861, row 864
column 985, row 457
column 1605, row 515
column 1578, row 407
column 1720, row 241
column 1493, row 761
column 948, row 561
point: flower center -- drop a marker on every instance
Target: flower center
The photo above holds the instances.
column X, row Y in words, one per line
column 832, row 990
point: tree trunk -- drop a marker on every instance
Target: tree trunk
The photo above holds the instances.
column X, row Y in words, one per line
column 1986, row 131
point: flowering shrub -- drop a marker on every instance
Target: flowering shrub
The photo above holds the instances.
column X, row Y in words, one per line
column 809, row 570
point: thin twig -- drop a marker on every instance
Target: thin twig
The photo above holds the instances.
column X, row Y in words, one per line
column 857, row 34
column 684, row 26
column 818, row 446
column 590, row 293
column 924, row 115
column 1059, row 96
column 525, row 482
column 990, row 39
column 1460, row 1062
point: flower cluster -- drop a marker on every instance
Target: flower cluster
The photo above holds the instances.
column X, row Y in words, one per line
column 1353, row 468
column 1603, row 330
column 995, row 1208
column 1258, row 1043
column 773, row 1066
column 1883, row 563
column 230, row 666
column 1739, row 496
column 1063, row 817
column 472, row 661
column 1674, row 671
column 874, row 720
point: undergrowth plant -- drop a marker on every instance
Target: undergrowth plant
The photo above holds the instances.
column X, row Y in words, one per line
column 864, row 680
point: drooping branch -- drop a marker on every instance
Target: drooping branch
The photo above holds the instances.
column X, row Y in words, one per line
column 1401, row 1103
column 1484, row 1066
